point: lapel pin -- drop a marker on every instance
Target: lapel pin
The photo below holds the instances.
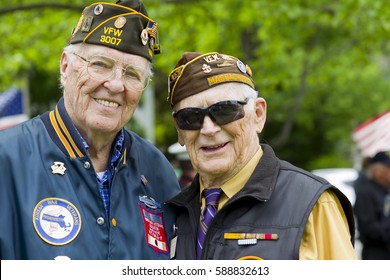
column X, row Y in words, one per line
column 144, row 37
column 144, row 180
column 120, row 22
column 98, row 9
column 58, row 168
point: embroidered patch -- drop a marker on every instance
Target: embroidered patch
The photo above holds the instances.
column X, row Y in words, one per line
column 56, row 221
column 154, row 229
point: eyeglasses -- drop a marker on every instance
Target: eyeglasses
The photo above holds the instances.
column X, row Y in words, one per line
column 221, row 113
column 103, row 68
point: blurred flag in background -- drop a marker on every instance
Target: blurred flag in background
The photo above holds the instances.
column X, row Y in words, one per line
column 12, row 108
column 373, row 135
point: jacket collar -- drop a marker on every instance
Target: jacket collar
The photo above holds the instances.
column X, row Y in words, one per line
column 262, row 182
column 63, row 132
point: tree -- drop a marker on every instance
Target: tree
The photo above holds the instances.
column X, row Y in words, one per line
column 321, row 65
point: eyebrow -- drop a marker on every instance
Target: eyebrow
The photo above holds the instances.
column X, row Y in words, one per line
column 132, row 65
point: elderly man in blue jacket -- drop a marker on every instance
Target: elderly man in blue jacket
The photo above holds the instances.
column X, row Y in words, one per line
column 75, row 183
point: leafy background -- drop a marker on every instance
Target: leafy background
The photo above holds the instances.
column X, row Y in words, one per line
column 322, row 65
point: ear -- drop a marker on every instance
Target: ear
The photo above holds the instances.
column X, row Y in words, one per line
column 63, row 66
column 261, row 113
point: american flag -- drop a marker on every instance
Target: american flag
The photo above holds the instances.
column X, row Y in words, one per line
column 152, row 29
column 12, row 110
column 373, row 136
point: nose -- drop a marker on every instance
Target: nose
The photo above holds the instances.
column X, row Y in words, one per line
column 116, row 82
column 209, row 127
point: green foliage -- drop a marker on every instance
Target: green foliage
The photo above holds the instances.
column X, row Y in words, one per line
column 323, row 66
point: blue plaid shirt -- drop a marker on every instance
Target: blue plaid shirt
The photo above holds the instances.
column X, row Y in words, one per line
column 105, row 180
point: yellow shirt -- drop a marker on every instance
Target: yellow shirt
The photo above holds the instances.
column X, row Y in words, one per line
column 326, row 217
column 326, row 235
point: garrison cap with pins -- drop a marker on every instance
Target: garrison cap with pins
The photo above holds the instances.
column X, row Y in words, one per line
column 124, row 26
column 196, row 72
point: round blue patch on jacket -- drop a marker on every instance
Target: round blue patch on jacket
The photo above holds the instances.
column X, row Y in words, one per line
column 56, row 221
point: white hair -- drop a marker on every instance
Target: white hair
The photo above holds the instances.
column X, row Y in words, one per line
column 73, row 48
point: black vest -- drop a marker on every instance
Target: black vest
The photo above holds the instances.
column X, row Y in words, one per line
column 277, row 199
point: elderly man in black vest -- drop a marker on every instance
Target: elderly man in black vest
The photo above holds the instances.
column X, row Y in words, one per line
column 245, row 203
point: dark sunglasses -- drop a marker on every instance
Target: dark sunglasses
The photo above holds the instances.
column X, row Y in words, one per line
column 221, row 113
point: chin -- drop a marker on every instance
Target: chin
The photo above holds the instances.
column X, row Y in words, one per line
column 104, row 128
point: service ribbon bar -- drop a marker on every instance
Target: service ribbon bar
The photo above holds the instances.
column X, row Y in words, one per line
column 260, row 236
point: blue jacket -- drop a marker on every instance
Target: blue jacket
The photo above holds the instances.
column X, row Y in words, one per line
column 50, row 205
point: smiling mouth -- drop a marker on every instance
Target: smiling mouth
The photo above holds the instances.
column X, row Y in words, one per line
column 214, row 148
column 107, row 103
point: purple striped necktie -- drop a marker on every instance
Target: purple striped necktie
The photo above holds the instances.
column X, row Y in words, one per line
column 212, row 197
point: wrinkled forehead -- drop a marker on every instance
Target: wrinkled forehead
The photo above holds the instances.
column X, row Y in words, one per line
column 89, row 50
column 228, row 91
